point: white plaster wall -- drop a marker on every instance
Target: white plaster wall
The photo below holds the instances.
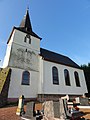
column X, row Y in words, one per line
column 19, row 39
column 22, row 60
column 17, row 42
column 16, row 89
column 50, row 88
column 8, row 51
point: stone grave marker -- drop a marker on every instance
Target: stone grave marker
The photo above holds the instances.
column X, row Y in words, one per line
column 77, row 100
column 29, row 111
column 68, row 114
column 64, row 112
column 84, row 101
column 56, row 108
column 20, row 110
column 48, row 109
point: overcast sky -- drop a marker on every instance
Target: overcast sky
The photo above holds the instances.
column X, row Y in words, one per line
column 63, row 25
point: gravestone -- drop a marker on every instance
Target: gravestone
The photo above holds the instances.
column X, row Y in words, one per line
column 56, row 108
column 84, row 101
column 68, row 114
column 48, row 109
column 20, row 110
column 64, row 112
column 77, row 99
column 29, row 111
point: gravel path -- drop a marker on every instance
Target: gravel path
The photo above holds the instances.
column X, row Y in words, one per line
column 9, row 113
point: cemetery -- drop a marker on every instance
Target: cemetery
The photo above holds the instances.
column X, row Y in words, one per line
column 53, row 110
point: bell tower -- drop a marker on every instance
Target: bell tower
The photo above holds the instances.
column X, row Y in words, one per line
column 23, row 46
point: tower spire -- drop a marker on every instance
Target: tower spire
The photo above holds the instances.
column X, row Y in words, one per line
column 26, row 23
column 26, row 26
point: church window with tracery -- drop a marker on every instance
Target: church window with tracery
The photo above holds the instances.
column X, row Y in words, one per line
column 25, row 78
column 77, row 79
column 67, row 78
column 55, row 75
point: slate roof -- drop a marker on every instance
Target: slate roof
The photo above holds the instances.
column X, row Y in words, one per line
column 26, row 26
column 28, row 32
column 26, row 23
column 57, row 58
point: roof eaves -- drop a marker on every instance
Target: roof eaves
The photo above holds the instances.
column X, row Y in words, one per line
column 10, row 35
column 31, row 33
column 61, row 63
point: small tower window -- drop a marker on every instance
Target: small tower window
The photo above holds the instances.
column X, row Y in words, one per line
column 27, row 39
column 55, row 75
column 67, row 79
column 25, row 78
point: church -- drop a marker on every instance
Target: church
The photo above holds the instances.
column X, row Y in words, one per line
column 35, row 72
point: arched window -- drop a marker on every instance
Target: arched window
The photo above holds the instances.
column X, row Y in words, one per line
column 27, row 39
column 67, row 79
column 25, row 78
column 55, row 75
column 77, row 79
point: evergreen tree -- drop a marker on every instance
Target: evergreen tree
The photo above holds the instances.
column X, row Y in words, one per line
column 86, row 69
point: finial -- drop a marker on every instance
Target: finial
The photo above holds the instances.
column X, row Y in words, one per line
column 27, row 5
column 27, row 10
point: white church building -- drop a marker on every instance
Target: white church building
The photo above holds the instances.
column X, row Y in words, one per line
column 38, row 73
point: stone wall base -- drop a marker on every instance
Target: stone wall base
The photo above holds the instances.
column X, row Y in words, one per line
column 15, row 100
column 54, row 97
